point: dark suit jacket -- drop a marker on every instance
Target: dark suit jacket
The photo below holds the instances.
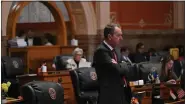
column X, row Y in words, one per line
column 139, row 57
column 183, row 80
column 112, row 87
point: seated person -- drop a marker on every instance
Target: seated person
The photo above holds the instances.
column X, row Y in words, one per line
column 139, row 55
column 48, row 39
column 125, row 52
column 37, row 41
column 24, row 34
column 151, row 52
column 77, row 61
column 21, row 35
column 166, row 70
column 181, row 52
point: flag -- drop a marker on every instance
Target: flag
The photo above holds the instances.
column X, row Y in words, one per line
column 180, row 93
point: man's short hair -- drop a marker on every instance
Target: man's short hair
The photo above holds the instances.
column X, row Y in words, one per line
column 109, row 29
column 124, row 49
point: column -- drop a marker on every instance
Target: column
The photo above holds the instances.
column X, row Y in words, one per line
column 179, row 14
column 103, row 15
column 5, row 11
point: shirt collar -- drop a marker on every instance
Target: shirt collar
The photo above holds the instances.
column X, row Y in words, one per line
column 108, row 45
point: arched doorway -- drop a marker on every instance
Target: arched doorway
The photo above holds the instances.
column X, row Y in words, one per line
column 81, row 14
column 18, row 7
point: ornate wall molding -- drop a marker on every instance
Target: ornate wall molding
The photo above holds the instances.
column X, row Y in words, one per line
column 151, row 32
column 168, row 20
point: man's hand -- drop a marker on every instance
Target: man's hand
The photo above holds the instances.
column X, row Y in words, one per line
column 113, row 61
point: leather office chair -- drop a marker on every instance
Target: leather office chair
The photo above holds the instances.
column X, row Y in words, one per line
column 85, row 85
column 42, row 92
column 146, row 67
column 61, row 61
column 12, row 66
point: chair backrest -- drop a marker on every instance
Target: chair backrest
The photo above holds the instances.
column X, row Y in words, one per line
column 146, row 67
column 131, row 71
column 155, row 59
column 12, row 66
column 84, row 83
column 162, row 53
column 61, row 61
column 42, row 92
column 85, row 78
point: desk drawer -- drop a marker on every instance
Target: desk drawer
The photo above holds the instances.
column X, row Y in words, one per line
column 52, row 79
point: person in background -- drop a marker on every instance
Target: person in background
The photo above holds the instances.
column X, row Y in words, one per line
column 48, row 39
column 77, row 61
column 166, row 70
column 21, row 35
column 139, row 55
column 181, row 52
column 37, row 41
column 151, row 52
column 125, row 53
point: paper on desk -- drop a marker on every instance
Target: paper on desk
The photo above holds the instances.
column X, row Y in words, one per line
column 85, row 64
column 21, row 43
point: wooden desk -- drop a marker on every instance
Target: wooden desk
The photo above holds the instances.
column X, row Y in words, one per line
column 12, row 101
column 182, row 101
column 54, row 76
column 164, row 92
column 34, row 56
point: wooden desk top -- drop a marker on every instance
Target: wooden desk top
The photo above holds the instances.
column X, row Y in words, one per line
column 46, row 74
column 176, row 102
column 12, row 100
column 54, row 73
column 148, row 87
column 29, row 47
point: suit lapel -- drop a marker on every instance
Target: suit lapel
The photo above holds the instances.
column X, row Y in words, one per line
column 117, row 51
column 105, row 47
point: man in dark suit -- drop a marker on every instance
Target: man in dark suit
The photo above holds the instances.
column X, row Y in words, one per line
column 113, row 86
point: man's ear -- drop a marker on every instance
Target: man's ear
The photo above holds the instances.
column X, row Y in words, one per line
column 109, row 36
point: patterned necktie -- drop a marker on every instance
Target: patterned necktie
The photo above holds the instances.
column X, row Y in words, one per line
column 114, row 55
column 116, row 59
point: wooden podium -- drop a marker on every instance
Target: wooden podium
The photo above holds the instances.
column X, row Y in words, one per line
column 34, row 56
column 62, row 77
column 164, row 92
